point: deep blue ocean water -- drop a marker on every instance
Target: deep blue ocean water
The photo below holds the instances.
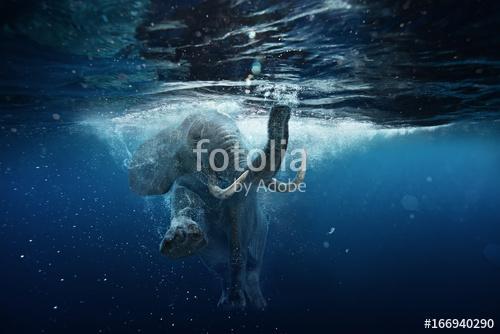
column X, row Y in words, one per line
column 396, row 103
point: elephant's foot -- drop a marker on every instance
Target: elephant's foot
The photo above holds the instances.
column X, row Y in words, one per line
column 233, row 300
column 257, row 299
column 253, row 292
column 183, row 239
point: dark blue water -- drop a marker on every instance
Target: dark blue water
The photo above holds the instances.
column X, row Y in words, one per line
column 396, row 103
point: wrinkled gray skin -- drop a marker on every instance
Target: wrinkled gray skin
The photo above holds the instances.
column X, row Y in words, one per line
column 229, row 235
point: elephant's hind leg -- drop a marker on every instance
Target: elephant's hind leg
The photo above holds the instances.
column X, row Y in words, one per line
column 254, row 264
column 252, row 288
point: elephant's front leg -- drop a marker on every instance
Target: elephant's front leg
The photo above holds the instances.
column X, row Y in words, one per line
column 185, row 235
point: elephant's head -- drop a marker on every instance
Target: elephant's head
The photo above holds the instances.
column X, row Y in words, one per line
column 161, row 160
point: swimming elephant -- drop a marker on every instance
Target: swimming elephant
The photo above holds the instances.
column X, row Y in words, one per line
column 210, row 215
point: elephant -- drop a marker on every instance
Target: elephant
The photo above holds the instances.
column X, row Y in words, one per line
column 222, row 225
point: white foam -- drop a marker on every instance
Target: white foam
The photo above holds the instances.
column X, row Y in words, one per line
column 323, row 139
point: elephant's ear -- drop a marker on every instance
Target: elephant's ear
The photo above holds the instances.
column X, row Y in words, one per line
column 155, row 166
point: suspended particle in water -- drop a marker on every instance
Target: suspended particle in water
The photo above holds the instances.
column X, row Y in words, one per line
column 409, row 202
column 331, row 230
column 252, row 34
column 256, row 67
column 492, row 253
column 56, row 116
column 326, row 244
column 347, row 250
column 247, row 91
column 428, row 179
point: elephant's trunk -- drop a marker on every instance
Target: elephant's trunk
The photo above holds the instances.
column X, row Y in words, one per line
column 274, row 152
